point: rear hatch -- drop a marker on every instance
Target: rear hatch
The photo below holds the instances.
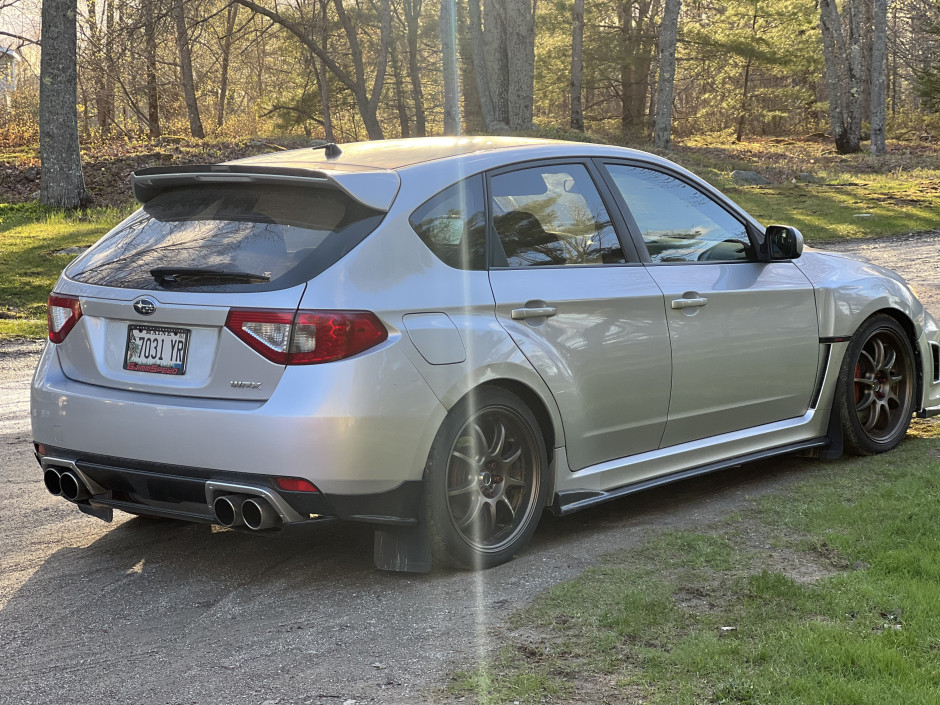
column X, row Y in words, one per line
column 194, row 295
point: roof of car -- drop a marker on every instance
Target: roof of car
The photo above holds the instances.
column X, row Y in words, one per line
column 401, row 153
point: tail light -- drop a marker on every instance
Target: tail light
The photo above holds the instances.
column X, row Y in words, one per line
column 63, row 313
column 306, row 337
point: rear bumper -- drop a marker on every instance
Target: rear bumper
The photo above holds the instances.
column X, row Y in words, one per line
column 357, row 427
column 187, row 493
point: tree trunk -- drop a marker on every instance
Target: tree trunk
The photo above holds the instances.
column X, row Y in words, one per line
column 321, row 71
column 412, row 15
column 448, row 23
column 843, row 94
column 403, row 125
column 520, row 62
column 186, row 70
column 230, row 20
column 742, row 117
column 480, row 65
column 61, row 184
column 95, row 37
column 662, row 136
column 879, row 50
column 497, row 68
column 577, row 65
column 150, row 53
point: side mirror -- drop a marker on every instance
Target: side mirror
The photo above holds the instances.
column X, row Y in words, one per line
column 781, row 242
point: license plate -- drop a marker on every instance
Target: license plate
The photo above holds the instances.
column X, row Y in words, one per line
column 156, row 349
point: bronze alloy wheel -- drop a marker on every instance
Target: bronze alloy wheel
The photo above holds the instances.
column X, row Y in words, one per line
column 880, row 383
column 492, row 478
column 486, row 480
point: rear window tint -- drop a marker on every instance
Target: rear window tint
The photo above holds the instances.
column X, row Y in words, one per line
column 285, row 235
column 453, row 224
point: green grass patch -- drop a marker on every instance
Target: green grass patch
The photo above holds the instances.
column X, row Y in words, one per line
column 30, row 235
column 826, row 592
column 827, row 196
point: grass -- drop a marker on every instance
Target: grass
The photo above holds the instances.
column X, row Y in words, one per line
column 824, row 593
column 29, row 267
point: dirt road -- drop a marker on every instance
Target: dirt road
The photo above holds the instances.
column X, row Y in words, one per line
column 144, row 611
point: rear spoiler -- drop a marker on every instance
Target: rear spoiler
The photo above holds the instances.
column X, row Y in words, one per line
column 375, row 189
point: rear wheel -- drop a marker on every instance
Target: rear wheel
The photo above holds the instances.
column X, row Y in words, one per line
column 877, row 383
column 486, row 480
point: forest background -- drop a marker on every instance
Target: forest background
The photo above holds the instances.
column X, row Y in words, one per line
column 348, row 70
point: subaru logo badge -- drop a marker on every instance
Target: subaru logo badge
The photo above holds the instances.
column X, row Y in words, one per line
column 145, row 307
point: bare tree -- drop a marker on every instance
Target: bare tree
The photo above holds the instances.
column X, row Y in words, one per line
column 843, row 66
column 878, row 68
column 503, row 49
column 667, row 73
column 448, row 22
column 62, row 184
column 230, row 19
column 577, row 64
column 367, row 100
column 412, row 12
column 186, row 69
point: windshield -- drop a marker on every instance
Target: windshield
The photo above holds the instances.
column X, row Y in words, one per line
column 281, row 235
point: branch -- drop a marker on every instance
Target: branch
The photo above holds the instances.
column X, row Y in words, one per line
column 298, row 31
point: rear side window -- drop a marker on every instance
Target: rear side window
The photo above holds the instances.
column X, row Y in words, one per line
column 228, row 238
column 453, row 224
column 552, row 215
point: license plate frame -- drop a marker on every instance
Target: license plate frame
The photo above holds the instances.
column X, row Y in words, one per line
column 164, row 342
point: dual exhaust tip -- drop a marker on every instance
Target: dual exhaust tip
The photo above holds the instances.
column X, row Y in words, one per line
column 231, row 510
column 237, row 509
column 65, row 483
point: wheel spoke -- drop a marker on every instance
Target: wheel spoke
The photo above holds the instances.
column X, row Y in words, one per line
column 865, row 401
column 463, row 489
column 879, row 353
column 476, row 506
column 890, row 359
column 513, row 481
column 506, row 503
column 513, row 457
column 871, row 423
column 496, row 449
column 871, row 361
column 467, row 459
column 865, row 381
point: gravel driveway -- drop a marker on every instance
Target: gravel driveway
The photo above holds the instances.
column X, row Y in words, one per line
column 149, row 611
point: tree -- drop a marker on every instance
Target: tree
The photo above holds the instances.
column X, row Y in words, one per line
column 667, row 73
column 577, row 64
column 878, row 52
column 62, row 184
column 367, row 100
column 186, row 69
column 843, row 68
column 448, row 22
column 503, row 50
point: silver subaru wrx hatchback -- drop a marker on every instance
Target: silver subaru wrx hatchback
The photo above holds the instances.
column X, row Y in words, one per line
column 445, row 336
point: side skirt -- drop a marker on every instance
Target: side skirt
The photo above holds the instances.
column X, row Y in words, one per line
column 569, row 501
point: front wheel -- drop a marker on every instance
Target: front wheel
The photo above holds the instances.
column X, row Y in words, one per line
column 486, row 480
column 877, row 384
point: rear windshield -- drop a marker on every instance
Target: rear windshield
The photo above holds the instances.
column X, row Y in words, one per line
column 256, row 237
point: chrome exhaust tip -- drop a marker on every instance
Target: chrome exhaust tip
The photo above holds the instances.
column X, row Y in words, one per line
column 52, row 479
column 259, row 514
column 228, row 509
column 72, row 488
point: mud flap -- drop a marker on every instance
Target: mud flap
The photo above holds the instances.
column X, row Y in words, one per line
column 103, row 513
column 403, row 548
column 834, row 433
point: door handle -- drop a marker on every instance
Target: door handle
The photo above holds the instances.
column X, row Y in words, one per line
column 689, row 303
column 519, row 314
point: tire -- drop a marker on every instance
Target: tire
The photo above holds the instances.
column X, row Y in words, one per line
column 486, row 481
column 877, row 383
